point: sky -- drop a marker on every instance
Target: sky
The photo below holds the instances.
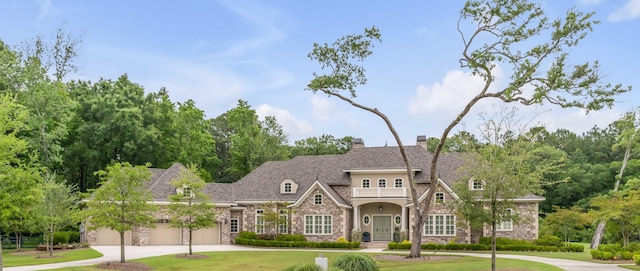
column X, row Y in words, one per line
column 217, row 52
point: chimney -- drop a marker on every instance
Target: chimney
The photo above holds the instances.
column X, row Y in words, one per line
column 357, row 143
column 422, row 141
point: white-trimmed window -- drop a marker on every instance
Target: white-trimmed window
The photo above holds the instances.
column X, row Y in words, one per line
column 259, row 221
column 440, row 225
column 439, row 197
column 382, row 182
column 317, row 199
column 283, row 226
column 233, row 224
column 366, row 183
column 318, row 224
column 477, row 185
column 398, row 220
column 288, row 186
column 366, row 219
column 506, row 225
column 398, row 182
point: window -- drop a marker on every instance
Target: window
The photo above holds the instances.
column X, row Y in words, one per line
column 259, row 221
column 439, row 197
column 318, row 224
column 477, row 185
column 366, row 220
column 366, row 183
column 443, row 225
column 397, row 219
column 234, row 225
column 398, row 183
column 287, row 187
column 284, row 222
column 506, row 225
column 317, row 199
column 382, row 183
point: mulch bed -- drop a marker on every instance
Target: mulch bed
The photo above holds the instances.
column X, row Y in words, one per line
column 400, row 258
column 124, row 266
column 193, row 256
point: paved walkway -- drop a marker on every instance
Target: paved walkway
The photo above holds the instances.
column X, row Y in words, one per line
column 112, row 253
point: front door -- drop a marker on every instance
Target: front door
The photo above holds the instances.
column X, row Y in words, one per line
column 381, row 228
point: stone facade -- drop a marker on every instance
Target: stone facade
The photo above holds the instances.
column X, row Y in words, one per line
column 340, row 217
column 527, row 226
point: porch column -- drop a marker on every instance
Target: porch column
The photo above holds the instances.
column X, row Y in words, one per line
column 356, row 217
column 404, row 218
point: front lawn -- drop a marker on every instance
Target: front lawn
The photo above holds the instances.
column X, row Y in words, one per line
column 12, row 258
column 278, row 260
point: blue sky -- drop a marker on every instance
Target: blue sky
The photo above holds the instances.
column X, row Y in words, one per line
column 216, row 52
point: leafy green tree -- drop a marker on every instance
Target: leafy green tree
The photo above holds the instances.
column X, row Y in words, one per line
column 566, row 221
column 122, row 202
column 195, row 143
column 159, row 116
column 191, row 207
column 325, row 144
column 57, row 209
column 507, row 33
column 629, row 140
column 621, row 209
column 276, row 218
column 18, row 174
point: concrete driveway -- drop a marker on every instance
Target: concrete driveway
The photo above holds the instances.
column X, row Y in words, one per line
column 112, row 253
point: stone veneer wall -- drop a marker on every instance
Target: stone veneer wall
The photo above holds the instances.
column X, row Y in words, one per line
column 344, row 191
column 340, row 217
column 526, row 229
column 236, row 215
column 463, row 234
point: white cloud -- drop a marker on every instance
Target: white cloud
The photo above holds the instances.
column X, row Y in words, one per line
column 450, row 95
column 630, row 11
column 290, row 124
column 322, row 108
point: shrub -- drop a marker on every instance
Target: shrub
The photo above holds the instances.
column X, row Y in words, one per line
column 291, row 237
column 596, row 254
column 303, row 267
column 303, row 244
column 613, row 248
column 548, row 240
column 60, row 237
column 636, row 258
column 266, row 236
column 356, row 262
column 247, row 235
column 607, row 255
column 625, row 255
column 406, row 242
column 356, row 236
column 504, row 241
column 342, row 239
column 571, row 248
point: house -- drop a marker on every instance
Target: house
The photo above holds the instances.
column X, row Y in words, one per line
column 330, row 196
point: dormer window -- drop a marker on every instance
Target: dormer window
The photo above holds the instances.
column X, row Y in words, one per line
column 185, row 191
column 477, row 185
column 288, row 186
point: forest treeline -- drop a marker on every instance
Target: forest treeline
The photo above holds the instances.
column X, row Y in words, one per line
column 75, row 128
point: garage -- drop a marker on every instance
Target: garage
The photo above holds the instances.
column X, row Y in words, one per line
column 209, row 236
column 109, row 237
column 163, row 234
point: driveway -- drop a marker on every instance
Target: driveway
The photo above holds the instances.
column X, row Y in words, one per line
column 112, row 253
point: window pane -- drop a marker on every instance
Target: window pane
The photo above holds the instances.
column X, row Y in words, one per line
column 317, row 227
column 451, row 225
column 327, row 224
column 382, row 183
column 366, row 183
column 308, row 224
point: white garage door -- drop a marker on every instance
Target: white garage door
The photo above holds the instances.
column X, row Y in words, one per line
column 163, row 234
column 209, row 236
column 108, row 237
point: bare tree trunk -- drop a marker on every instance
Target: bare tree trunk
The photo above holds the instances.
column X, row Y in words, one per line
column 599, row 233
column 122, row 246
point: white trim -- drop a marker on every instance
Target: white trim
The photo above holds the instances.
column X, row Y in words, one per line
column 312, row 188
column 446, row 188
column 237, row 225
column 369, row 218
column 394, row 220
column 375, row 171
column 444, row 225
column 313, row 224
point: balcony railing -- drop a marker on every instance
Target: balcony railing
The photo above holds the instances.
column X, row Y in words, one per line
column 380, row 192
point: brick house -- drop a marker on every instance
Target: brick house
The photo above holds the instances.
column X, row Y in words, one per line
column 328, row 197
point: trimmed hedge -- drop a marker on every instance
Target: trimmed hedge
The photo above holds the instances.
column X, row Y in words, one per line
column 476, row 247
column 615, row 252
column 302, row 244
column 636, row 258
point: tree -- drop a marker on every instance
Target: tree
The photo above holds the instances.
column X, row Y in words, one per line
column 509, row 166
column 122, row 202
column 275, row 216
column 621, row 209
column 629, row 139
column 57, row 209
column 18, row 174
column 566, row 221
column 516, row 35
column 190, row 207
column 325, row 144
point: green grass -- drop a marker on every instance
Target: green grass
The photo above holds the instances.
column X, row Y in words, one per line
column 631, row 267
column 278, row 260
column 10, row 259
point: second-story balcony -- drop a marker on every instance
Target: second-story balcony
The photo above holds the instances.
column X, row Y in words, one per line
column 380, row 192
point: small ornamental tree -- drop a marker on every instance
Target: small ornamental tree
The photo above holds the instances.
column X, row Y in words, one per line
column 122, row 202
column 191, row 207
column 276, row 218
column 567, row 221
